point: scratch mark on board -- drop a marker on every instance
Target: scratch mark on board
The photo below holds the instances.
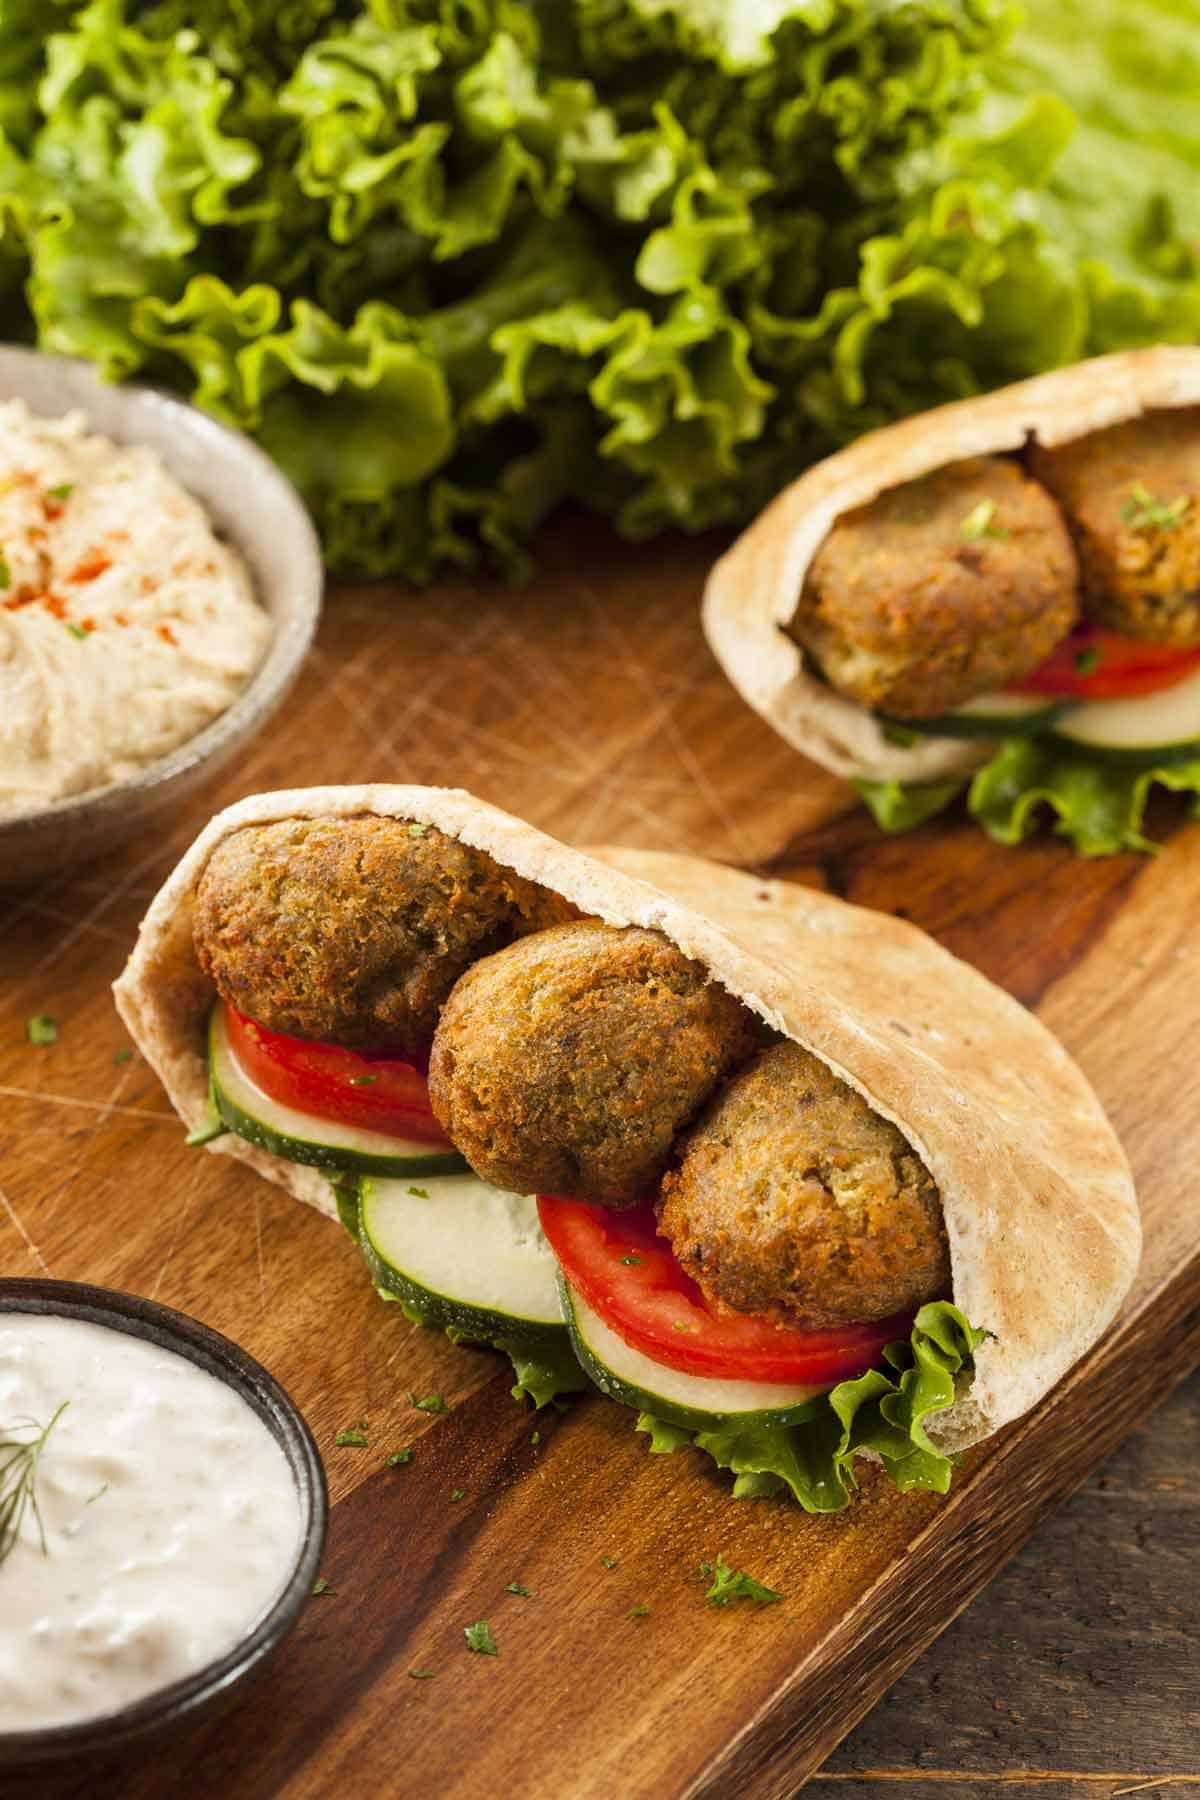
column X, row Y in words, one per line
column 32, row 1248
column 105, row 1107
column 258, row 1245
column 180, row 1220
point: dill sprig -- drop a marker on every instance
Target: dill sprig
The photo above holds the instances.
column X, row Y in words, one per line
column 19, row 1459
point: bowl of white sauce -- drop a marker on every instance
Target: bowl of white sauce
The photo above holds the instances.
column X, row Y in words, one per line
column 160, row 583
column 162, row 1517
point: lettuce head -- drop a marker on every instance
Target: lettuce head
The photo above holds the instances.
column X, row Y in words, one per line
column 454, row 264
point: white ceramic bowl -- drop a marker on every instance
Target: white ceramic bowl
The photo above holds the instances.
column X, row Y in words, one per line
column 259, row 512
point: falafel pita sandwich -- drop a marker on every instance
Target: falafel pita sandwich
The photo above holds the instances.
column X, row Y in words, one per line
column 1036, row 1200
column 1014, row 720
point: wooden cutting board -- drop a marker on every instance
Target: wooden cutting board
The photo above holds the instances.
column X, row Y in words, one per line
column 588, row 703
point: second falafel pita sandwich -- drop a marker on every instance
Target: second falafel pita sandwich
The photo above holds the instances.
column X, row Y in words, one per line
column 807, row 1186
column 999, row 597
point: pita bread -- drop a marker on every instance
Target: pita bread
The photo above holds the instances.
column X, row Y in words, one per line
column 754, row 589
column 1039, row 1203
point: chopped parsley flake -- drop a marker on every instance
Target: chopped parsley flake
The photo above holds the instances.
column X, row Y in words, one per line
column 417, row 830
column 398, row 1457
column 42, row 1029
column 63, row 491
column 535, row 1437
column 123, row 1056
column 420, row 1674
column 681, row 1325
column 514, row 1587
column 321, row 1586
column 76, row 631
column 479, row 1638
column 353, row 1438
column 5, row 573
column 432, row 1403
column 978, row 523
column 419, row 1193
column 1087, row 660
column 1146, row 513
column 610, row 1562
column 631, row 1262
column 734, row 1584
column 459, row 1494
column 363, row 1080
column 98, row 1495
column 638, row 1612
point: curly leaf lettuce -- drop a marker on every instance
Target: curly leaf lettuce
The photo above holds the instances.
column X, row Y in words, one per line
column 1097, row 806
column 885, row 1413
column 452, row 264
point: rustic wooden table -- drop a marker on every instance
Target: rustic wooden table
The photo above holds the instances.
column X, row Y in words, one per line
column 589, row 703
column 1075, row 1675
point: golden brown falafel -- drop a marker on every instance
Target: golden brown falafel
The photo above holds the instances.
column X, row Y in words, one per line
column 796, row 1201
column 352, row 931
column 1131, row 496
column 568, row 1062
column 941, row 589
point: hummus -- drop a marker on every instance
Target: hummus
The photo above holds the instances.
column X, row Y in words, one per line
column 125, row 624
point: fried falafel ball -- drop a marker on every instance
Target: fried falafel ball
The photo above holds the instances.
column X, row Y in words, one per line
column 352, row 931
column 568, row 1062
column 1131, row 496
column 795, row 1201
column 942, row 589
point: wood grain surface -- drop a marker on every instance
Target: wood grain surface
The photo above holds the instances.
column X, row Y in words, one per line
column 1075, row 1675
column 588, row 703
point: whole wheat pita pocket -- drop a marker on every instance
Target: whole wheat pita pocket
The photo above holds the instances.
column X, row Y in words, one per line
column 753, row 591
column 1039, row 1202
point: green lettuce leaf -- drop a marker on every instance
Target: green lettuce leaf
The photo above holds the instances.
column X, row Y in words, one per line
column 1123, row 198
column 882, row 1412
column 1097, row 806
column 902, row 805
column 542, row 1375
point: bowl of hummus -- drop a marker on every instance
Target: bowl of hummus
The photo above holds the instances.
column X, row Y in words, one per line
column 160, row 582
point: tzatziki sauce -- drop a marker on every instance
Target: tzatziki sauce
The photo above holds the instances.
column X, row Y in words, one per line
column 170, row 1519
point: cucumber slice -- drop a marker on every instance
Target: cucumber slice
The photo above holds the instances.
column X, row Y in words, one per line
column 302, row 1138
column 1157, row 728
column 695, row 1402
column 458, row 1253
column 991, row 716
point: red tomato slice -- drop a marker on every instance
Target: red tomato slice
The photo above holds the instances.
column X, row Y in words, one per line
column 629, row 1275
column 376, row 1093
column 1094, row 664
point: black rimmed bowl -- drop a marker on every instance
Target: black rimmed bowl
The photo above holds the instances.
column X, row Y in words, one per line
column 171, row 1709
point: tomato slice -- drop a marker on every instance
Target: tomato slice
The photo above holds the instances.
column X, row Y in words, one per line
column 1094, row 664
column 375, row 1092
column 630, row 1276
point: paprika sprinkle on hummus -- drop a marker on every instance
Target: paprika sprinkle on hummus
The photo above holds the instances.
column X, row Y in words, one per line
column 126, row 625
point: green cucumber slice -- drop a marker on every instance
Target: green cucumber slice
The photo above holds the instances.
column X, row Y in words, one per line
column 460, row 1254
column 1144, row 730
column 991, row 716
column 302, row 1138
column 694, row 1402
